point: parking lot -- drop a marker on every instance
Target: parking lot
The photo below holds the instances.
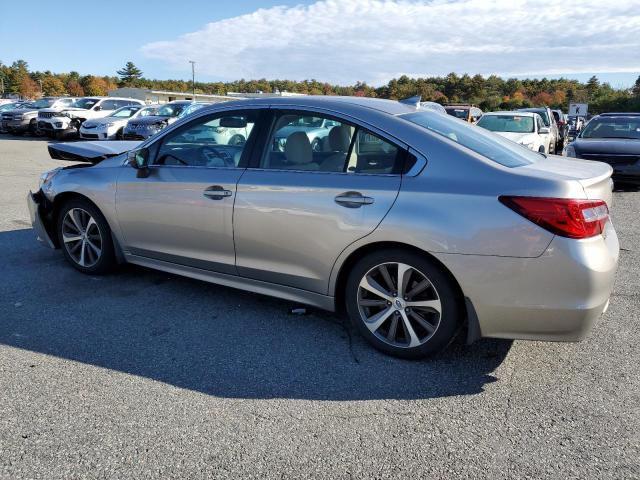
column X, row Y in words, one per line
column 141, row 374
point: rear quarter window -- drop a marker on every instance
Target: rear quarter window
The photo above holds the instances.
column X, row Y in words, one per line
column 483, row 142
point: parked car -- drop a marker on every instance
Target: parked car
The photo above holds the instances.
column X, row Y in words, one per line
column 468, row 113
column 413, row 222
column 25, row 118
column 58, row 123
column 524, row 128
column 613, row 138
column 549, row 122
column 9, row 107
column 112, row 126
column 145, row 127
column 316, row 128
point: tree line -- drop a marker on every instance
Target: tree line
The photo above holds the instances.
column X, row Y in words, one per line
column 489, row 93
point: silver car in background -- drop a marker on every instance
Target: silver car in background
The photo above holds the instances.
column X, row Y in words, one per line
column 412, row 222
column 112, row 127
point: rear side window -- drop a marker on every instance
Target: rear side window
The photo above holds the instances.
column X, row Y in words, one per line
column 489, row 145
column 304, row 142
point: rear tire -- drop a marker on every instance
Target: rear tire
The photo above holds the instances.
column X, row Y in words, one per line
column 403, row 303
column 85, row 237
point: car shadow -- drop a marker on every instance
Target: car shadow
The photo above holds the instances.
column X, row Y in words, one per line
column 211, row 339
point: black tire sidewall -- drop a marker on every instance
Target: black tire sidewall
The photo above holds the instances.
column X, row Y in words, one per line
column 107, row 259
column 451, row 316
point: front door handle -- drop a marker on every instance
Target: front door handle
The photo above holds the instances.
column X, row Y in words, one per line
column 217, row 192
column 353, row 200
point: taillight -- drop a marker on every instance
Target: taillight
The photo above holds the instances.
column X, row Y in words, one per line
column 567, row 217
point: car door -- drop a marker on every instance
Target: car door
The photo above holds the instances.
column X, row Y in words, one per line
column 297, row 208
column 182, row 211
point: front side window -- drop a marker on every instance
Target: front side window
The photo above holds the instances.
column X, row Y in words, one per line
column 85, row 103
column 109, row 105
column 315, row 143
column 489, row 145
column 507, row 123
column 216, row 141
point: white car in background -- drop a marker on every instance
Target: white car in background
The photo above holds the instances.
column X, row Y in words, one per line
column 112, row 126
column 524, row 128
column 58, row 123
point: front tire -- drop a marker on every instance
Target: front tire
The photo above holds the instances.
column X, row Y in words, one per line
column 85, row 237
column 403, row 303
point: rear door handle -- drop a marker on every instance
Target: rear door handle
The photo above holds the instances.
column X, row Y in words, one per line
column 353, row 200
column 217, row 192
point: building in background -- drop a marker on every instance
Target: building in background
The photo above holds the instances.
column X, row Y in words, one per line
column 161, row 96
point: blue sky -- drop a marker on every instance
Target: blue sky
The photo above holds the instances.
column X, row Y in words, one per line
column 340, row 41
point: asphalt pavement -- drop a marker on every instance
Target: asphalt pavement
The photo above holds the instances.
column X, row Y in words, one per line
column 141, row 374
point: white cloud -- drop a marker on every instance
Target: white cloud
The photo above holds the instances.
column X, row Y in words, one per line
column 374, row 40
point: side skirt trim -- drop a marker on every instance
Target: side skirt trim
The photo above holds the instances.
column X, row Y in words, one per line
column 323, row 302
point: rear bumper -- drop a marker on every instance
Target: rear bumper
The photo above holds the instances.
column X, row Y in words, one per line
column 558, row 296
column 35, row 202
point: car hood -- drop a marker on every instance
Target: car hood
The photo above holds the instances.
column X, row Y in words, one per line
column 618, row 146
column 58, row 110
column 22, row 111
column 150, row 120
column 92, row 152
column 517, row 137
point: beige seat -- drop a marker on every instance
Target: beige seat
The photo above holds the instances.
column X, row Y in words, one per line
column 298, row 152
column 339, row 142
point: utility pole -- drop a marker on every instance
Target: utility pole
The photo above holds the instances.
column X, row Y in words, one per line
column 193, row 78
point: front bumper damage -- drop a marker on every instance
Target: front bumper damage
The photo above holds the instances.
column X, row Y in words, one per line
column 41, row 213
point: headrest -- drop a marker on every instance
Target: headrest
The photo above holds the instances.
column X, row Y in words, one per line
column 340, row 138
column 298, row 148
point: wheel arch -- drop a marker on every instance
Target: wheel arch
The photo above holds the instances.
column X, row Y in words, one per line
column 343, row 273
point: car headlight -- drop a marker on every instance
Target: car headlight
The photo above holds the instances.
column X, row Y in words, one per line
column 107, row 125
column 571, row 152
column 47, row 176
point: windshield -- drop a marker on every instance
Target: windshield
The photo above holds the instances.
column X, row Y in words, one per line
column 619, row 127
column 540, row 111
column 489, row 145
column 462, row 113
column 190, row 109
column 85, row 103
column 169, row 110
column 125, row 112
column 148, row 111
column 43, row 103
column 507, row 123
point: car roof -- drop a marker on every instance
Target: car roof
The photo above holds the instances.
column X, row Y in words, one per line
column 620, row 114
column 328, row 102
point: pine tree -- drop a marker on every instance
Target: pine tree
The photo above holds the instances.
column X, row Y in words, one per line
column 636, row 87
column 129, row 75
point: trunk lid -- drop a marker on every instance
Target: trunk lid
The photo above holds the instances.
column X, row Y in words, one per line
column 595, row 177
column 92, row 152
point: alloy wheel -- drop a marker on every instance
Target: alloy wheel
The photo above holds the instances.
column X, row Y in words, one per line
column 82, row 238
column 399, row 304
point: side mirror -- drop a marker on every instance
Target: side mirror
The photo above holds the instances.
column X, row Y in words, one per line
column 544, row 130
column 139, row 159
column 97, row 108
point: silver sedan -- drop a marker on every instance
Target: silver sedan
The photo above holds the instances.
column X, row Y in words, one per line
column 415, row 224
